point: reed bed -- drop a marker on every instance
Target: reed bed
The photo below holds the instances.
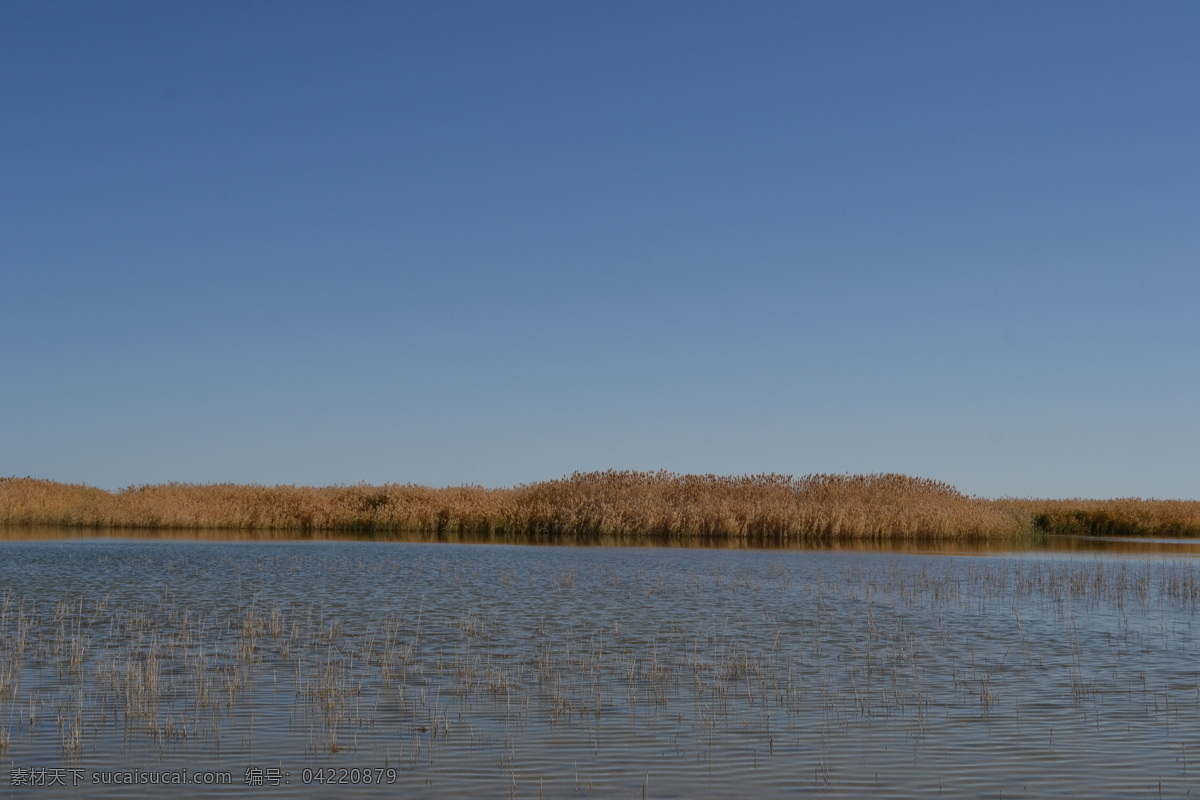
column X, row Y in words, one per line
column 1131, row 516
column 657, row 506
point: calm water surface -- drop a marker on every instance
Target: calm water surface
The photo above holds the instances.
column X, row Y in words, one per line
column 448, row 671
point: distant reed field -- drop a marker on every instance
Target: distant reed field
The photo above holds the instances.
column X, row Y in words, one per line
column 660, row 506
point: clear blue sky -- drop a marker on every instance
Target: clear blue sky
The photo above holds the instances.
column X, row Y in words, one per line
column 496, row 242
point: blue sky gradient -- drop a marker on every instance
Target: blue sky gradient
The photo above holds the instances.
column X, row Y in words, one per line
column 461, row 242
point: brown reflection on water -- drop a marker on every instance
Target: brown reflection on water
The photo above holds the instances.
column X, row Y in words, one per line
column 1083, row 545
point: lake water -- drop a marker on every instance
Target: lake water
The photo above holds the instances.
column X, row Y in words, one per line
column 433, row 670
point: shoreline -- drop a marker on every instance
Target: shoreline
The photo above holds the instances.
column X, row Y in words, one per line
column 655, row 507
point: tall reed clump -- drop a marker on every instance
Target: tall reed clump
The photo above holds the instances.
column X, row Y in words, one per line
column 757, row 507
column 655, row 505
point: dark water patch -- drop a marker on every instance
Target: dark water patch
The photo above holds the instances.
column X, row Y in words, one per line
column 1035, row 543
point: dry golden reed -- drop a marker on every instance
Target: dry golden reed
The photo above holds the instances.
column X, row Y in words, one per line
column 1130, row 516
column 653, row 505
